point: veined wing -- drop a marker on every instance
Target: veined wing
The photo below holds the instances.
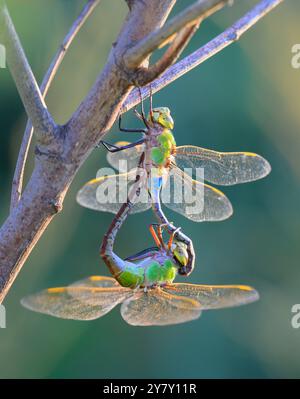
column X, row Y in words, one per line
column 108, row 193
column 81, row 301
column 223, row 168
column 215, row 296
column 193, row 199
column 125, row 160
column 158, row 308
column 96, row 282
column 145, row 253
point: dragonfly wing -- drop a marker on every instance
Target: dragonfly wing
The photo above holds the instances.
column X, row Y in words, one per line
column 193, row 199
column 96, row 282
column 158, row 308
column 108, row 193
column 127, row 159
column 105, row 291
column 223, row 168
column 145, row 253
column 215, row 296
column 77, row 302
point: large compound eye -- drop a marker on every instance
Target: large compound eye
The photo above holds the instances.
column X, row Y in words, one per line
column 156, row 115
column 181, row 254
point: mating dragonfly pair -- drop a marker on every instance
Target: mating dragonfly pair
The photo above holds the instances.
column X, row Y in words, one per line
column 143, row 283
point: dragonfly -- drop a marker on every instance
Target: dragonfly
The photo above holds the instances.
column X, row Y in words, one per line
column 165, row 176
column 143, row 284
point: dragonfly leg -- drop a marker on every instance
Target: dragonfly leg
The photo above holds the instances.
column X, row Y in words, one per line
column 142, row 104
column 170, row 242
column 129, row 130
column 160, row 227
column 142, row 116
column 115, row 148
column 137, row 114
column 151, row 104
column 157, row 237
column 160, row 235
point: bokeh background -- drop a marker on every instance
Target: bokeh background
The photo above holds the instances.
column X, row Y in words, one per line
column 245, row 98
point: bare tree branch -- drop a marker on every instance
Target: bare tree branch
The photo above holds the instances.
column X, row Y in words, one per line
column 213, row 47
column 147, row 75
column 199, row 10
column 25, row 81
column 57, row 162
column 17, row 183
column 113, row 79
column 55, row 167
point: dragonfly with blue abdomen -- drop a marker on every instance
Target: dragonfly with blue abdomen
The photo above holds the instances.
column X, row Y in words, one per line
column 164, row 176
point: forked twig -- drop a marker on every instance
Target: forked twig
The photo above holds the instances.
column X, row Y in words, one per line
column 207, row 51
column 200, row 9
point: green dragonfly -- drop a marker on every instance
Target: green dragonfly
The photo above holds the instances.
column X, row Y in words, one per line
column 142, row 284
column 164, row 178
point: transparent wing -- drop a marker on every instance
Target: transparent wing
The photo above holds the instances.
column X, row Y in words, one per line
column 81, row 301
column 193, row 199
column 215, row 296
column 125, row 160
column 108, row 193
column 96, row 282
column 158, row 308
column 223, row 168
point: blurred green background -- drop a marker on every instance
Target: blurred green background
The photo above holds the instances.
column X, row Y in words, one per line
column 245, row 98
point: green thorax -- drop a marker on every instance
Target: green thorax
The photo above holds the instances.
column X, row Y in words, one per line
column 166, row 145
column 147, row 273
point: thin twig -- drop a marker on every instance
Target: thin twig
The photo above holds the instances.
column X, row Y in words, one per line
column 201, row 9
column 24, row 79
column 147, row 75
column 213, row 47
column 17, row 184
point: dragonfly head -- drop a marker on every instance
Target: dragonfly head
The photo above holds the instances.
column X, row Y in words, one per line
column 184, row 254
column 180, row 253
column 162, row 116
